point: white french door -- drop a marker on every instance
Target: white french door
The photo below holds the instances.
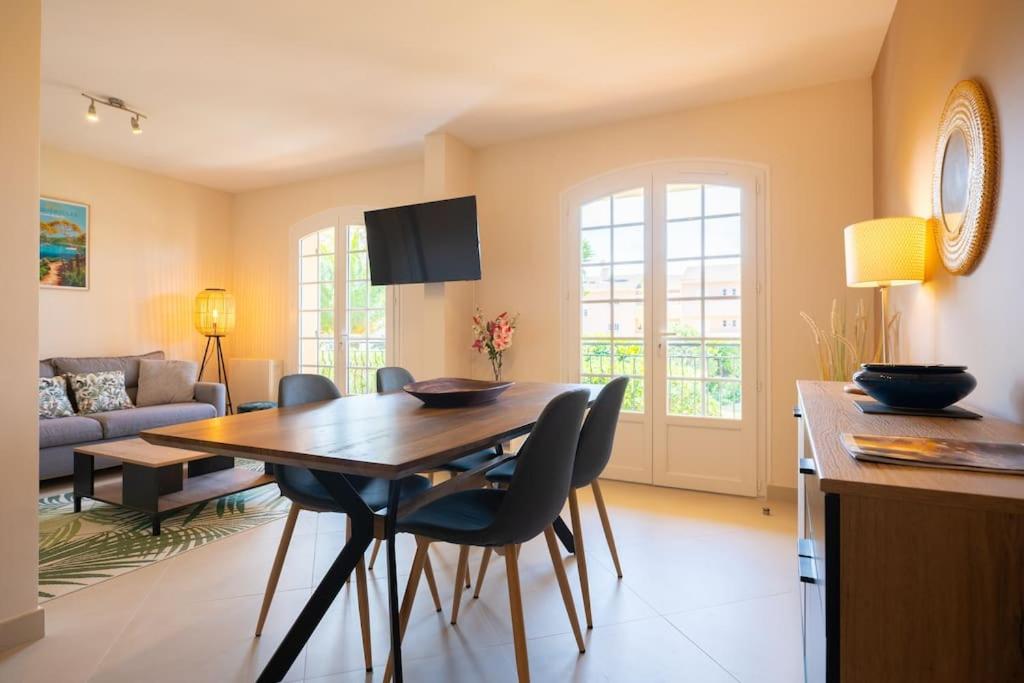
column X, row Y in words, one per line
column 344, row 324
column 663, row 280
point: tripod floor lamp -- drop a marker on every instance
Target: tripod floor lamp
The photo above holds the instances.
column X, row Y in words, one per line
column 214, row 318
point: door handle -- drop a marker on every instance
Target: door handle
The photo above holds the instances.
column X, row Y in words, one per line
column 806, row 466
column 807, row 571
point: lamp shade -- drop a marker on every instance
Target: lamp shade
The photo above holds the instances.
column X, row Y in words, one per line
column 214, row 313
column 885, row 252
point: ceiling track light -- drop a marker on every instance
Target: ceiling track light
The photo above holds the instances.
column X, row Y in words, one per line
column 113, row 103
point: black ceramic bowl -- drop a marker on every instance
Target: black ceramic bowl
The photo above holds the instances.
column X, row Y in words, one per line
column 931, row 387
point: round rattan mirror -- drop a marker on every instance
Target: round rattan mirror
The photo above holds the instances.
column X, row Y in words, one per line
column 963, row 192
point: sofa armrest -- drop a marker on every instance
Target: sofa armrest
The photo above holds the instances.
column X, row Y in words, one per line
column 213, row 393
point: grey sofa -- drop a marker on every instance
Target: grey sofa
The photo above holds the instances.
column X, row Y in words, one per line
column 58, row 437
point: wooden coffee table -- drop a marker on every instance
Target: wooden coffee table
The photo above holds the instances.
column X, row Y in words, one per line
column 159, row 480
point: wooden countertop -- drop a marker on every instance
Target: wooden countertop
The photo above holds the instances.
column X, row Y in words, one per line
column 829, row 412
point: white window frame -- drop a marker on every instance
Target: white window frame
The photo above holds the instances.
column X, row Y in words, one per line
column 569, row 246
column 339, row 218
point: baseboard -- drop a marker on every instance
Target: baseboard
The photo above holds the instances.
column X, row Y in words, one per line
column 22, row 629
column 784, row 494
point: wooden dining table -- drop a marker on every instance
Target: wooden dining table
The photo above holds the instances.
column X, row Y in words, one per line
column 389, row 436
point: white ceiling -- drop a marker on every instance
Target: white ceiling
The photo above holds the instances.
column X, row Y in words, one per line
column 249, row 93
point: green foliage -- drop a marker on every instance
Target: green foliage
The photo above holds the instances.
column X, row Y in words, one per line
column 72, row 272
column 44, row 268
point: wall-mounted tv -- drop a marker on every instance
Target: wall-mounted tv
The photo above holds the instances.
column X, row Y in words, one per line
column 429, row 242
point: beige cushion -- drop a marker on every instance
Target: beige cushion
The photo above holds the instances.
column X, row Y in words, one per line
column 166, row 381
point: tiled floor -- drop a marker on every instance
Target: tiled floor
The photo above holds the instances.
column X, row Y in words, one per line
column 709, row 594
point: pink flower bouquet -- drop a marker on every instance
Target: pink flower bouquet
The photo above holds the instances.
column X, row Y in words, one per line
column 493, row 336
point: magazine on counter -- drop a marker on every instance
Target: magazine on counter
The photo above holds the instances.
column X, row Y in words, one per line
column 981, row 456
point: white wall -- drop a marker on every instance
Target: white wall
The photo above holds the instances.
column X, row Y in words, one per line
column 20, row 617
column 154, row 244
column 974, row 320
column 816, row 143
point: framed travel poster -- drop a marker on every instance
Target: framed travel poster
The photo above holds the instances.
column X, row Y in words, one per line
column 63, row 244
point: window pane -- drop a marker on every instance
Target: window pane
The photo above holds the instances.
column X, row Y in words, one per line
column 326, row 295
column 629, row 281
column 684, row 397
column 356, row 238
column 723, row 399
column 357, row 294
column 375, row 326
column 326, row 372
column 633, row 401
column 327, row 268
column 357, row 323
column 595, row 283
column 720, row 199
column 596, row 246
column 684, row 318
column 307, row 245
column 378, row 297
column 596, row 320
column 358, row 382
column 722, row 318
column 310, row 273
column 628, row 319
column 326, row 241
column 629, row 358
column 629, row 207
column 358, row 267
column 308, row 324
column 596, row 358
column 629, row 244
column 683, row 239
column 307, row 352
column 722, row 277
column 357, row 354
column 682, row 201
column 684, row 359
column 723, row 359
column 598, row 212
column 325, row 355
column 326, row 323
column 722, row 236
column 309, row 297
column 377, row 354
column 682, row 279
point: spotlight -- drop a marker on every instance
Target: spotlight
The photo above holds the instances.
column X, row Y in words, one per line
column 113, row 103
column 91, row 115
column 136, row 127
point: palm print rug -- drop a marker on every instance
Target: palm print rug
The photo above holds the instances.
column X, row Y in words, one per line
column 103, row 541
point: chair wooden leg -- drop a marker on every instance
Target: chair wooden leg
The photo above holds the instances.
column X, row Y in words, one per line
column 563, row 586
column 483, row 570
column 581, row 556
column 515, row 603
column 373, row 555
column 599, row 500
column 275, row 570
column 468, row 572
column 364, row 602
column 428, row 570
column 411, row 587
column 460, row 574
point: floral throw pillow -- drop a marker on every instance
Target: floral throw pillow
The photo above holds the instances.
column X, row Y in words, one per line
column 98, row 392
column 53, row 398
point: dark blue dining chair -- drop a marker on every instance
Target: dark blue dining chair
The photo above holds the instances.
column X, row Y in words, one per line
column 300, row 486
column 393, row 379
column 505, row 518
column 592, row 456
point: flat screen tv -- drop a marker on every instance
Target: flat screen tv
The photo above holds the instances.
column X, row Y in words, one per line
column 429, row 242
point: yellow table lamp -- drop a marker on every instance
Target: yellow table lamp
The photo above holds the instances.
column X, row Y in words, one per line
column 884, row 253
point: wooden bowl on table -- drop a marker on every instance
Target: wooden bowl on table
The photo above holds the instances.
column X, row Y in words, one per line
column 455, row 392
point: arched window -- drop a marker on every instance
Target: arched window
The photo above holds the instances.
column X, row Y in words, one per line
column 344, row 324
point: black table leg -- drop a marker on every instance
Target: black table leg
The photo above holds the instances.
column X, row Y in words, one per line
column 84, row 478
column 394, row 490
column 564, row 535
column 156, row 525
column 333, row 581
